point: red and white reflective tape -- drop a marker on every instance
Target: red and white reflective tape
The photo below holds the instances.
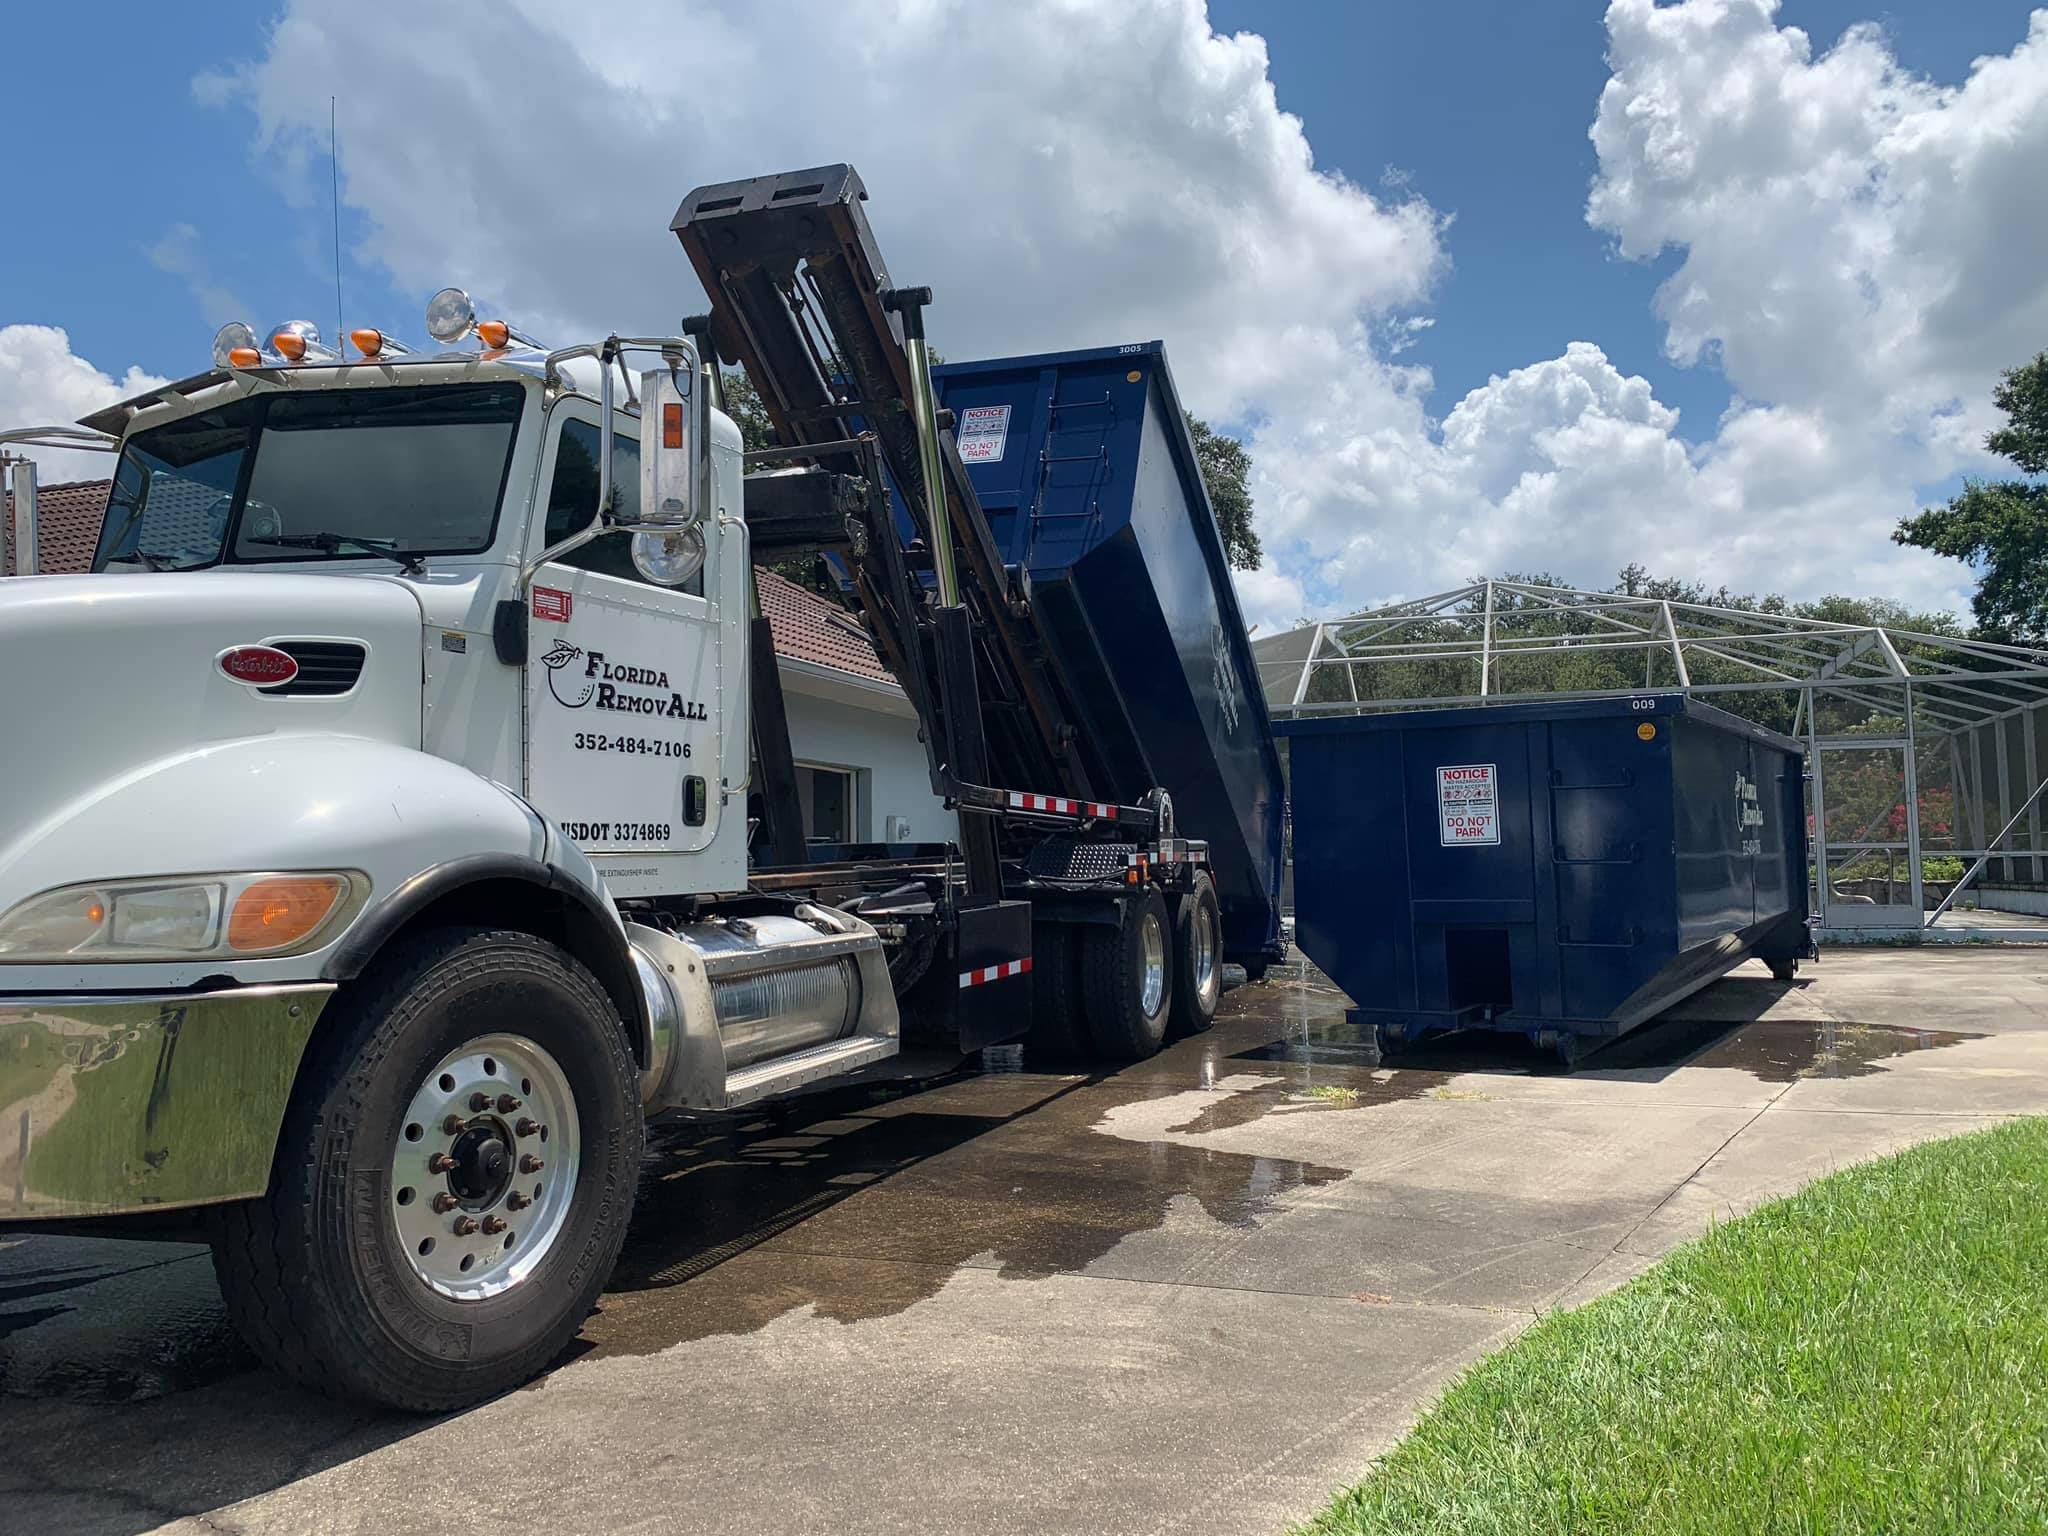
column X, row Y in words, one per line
column 1058, row 806
column 988, row 973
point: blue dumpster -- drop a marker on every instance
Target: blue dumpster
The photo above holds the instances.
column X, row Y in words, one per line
column 1560, row 870
column 1084, row 467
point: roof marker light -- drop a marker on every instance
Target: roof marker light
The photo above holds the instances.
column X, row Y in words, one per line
column 234, row 346
column 450, row 316
column 298, row 341
column 374, row 344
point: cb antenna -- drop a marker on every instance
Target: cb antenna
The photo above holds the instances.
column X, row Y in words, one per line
column 334, row 190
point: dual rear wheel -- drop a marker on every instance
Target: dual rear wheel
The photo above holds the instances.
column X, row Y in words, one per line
column 1118, row 991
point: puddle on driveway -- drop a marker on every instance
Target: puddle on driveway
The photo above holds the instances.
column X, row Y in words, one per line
column 1774, row 1051
column 110, row 1322
column 1004, row 1170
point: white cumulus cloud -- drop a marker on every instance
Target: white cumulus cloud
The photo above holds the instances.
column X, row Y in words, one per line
column 43, row 383
column 1860, row 250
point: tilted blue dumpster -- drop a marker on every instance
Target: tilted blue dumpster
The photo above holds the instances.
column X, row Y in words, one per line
column 1561, row 870
column 1083, row 464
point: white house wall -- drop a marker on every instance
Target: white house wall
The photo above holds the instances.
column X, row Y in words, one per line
column 872, row 730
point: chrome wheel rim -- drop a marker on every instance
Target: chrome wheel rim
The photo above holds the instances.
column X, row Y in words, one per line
column 1208, row 975
column 484, row 1167
column 1152, row 968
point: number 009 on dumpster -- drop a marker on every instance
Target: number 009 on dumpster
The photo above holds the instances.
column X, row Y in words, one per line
column 1468, row 805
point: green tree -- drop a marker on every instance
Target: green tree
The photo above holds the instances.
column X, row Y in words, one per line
column 2001, row 527
column 1226, row 471
column 743, row 405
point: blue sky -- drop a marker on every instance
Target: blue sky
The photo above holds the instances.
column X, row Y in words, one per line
column 174, row 205
column 1484, row 105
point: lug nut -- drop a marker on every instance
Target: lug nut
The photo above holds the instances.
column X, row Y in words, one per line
column 530, row 1164
column 465, row 1225
column 493, row 1226
column 516, row 1201
column 440, row 1162
column 506, row 1103
column 479, row 1102
column 444, row 1203
column 527, row 1128
column 455, row 1125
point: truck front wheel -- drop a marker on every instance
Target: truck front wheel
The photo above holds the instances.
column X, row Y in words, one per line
column 1127, row 978
column 453, row 1180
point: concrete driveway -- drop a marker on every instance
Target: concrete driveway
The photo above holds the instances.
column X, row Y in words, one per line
column 1192, row 1296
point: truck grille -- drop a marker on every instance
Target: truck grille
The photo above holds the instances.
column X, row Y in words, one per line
column 326, row 668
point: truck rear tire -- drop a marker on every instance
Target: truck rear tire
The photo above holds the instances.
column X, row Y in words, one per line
column 1197, row 958
column 1057, row 1028
column 1127, row 979
column 453, row 1181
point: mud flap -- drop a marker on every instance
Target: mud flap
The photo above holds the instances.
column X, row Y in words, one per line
column 981, row 994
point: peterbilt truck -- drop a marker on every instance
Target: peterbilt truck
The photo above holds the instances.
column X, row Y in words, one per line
column 403, row 811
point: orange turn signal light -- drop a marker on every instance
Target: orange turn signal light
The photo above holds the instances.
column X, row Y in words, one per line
column 271, row 914
column 494, row 334
column 244, row 357
column 671, row 425
column 369, row 340
column 289, row 345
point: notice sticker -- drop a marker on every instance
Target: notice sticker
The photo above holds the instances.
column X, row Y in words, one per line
column 982, row 432
column 548, row 603
column 1468, row 805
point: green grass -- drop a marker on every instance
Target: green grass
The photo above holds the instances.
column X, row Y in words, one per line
column 1869, row 1355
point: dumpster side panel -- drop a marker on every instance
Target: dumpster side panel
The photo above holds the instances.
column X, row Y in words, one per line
column 1083, row 464
column 1351, row 866
column 1473, row 906
column 1716, row 878
column 1610, row 792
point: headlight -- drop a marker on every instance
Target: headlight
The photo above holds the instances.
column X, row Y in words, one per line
column 229, row 916
column 668, row 557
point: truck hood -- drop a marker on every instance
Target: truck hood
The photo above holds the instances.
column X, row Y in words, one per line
column 106, row 678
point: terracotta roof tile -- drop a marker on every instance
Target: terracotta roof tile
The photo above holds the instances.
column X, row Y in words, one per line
column 806, row 627
column 67, row 526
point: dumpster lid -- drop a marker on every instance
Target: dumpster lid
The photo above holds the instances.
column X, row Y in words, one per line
column 1635, row 705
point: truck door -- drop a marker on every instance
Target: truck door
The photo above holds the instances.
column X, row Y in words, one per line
column 623, row 689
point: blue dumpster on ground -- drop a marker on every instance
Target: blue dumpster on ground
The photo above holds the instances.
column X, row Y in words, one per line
column 1560, row 870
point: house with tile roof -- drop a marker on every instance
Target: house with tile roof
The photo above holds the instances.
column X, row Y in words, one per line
column 861, row 772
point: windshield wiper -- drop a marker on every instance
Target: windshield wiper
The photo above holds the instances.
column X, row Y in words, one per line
column 335, row 543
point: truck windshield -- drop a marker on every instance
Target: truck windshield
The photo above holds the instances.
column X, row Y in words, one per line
column 421, row 470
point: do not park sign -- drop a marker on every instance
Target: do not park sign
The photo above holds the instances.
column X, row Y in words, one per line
column 1468, row 805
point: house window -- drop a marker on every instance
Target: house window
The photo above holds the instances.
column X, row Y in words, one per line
column 831, row 803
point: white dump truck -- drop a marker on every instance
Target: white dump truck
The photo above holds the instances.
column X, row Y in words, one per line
column 402, row 811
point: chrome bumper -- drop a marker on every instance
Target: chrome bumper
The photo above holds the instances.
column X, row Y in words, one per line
column 131, row 1103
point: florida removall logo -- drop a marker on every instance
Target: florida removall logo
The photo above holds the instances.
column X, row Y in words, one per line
column 606, row 681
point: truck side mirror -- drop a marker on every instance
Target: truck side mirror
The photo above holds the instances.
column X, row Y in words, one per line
column 668, row 541
column 672, row 446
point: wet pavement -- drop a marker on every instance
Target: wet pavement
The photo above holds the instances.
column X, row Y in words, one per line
column 1191, row 1295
